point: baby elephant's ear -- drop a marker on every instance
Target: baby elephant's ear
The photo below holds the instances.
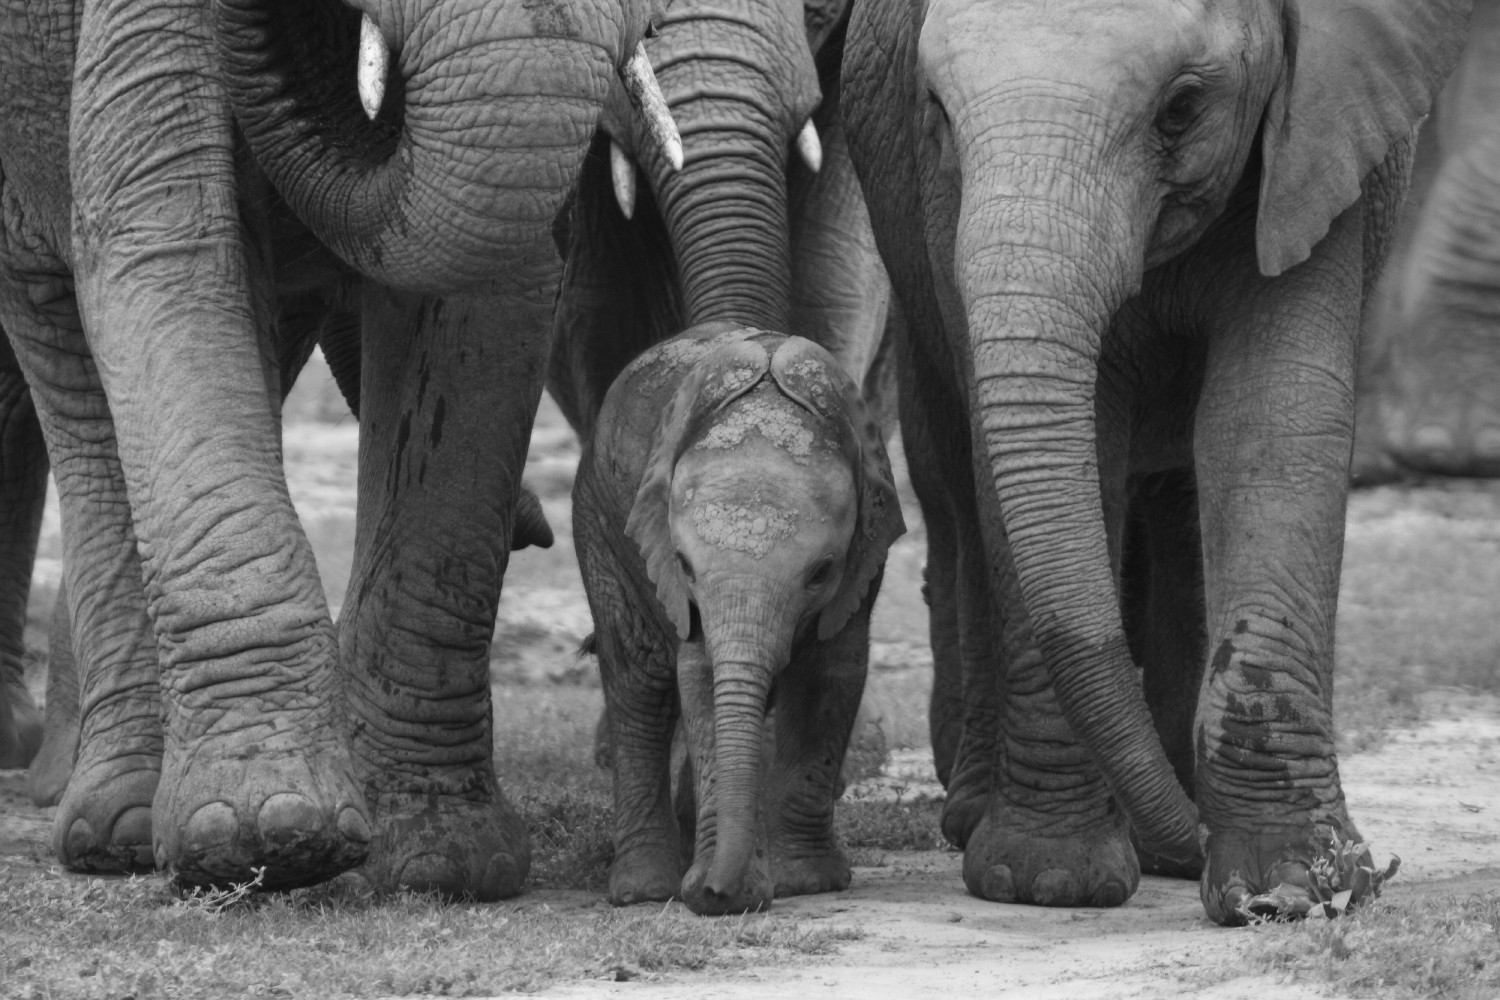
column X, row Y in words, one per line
column 728, row 373
column 810, row 375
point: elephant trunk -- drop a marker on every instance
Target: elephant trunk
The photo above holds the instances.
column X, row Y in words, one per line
column 455, row 185
column 726, row 210
column 748, row 642
column 1043, row 259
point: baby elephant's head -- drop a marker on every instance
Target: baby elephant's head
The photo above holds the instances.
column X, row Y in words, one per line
column 767, row 504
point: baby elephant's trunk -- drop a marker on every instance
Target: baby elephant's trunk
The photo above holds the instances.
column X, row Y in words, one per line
column 736, row 882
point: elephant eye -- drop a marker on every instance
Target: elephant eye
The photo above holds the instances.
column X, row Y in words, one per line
column 1181, row 109
column 685, row 566
column 820, row 574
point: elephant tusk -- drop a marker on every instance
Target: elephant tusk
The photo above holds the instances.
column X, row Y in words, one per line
column 622, row 172
column 374, row 64
column 809, row 147
column 651, row 105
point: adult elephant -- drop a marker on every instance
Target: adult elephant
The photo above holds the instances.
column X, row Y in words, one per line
column 764, row 226
column 1131, row 242
column 1429, row 389
column 136, row 285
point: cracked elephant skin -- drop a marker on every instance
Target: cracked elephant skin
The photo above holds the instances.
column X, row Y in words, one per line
column 732, row 515
column 1131, row 242
column 1429, row 386
column 143, row 293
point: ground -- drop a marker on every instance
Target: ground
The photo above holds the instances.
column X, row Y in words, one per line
column 1419, row 741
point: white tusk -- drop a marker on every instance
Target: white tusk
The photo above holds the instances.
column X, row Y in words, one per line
column 646, row 95
column 374, row 64
column 622, row 172
column 809, row 147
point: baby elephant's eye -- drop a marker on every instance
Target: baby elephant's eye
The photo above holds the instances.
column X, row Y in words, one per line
column 820, row 574
column 685, row 566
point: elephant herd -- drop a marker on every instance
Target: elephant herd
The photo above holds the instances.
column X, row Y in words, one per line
column 1106, row 261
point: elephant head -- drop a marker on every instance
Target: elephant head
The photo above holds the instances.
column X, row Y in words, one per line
column 764, row 514
column 1063, row 150
column 439, row 182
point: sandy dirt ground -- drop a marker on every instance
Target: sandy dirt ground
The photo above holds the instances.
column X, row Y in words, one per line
column 1430, row 794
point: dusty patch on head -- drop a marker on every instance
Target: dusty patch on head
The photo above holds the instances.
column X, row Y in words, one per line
column 753, row 527
column 664, row 363
column 776, row 420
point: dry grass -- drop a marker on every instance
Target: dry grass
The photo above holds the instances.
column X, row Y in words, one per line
column 75, row 937
column 1437, row 947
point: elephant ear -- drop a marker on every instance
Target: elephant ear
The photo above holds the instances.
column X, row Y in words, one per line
column 811, row 376
column 1360, row 75
column 716, row 380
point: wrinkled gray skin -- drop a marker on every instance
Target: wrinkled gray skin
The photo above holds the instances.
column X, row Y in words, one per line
column 132, row 213
column 1429, row 388
column 732, row 514
column 1131, row 245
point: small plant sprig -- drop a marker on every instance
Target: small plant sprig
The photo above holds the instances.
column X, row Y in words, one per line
column 213, row 901
column 1339, row 879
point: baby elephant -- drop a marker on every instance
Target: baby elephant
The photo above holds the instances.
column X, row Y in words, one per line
column 732, row 515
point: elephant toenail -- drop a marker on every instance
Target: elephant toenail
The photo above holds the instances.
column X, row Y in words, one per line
column 1487, row 443
column 212, row 827
column 1054, row 887
column 79, row 842
column 1234, row 899
column 998, row 884
column 287, row 818
column 161, row 857
column 502, row 879
column 353, row 825
column 1111, row 893
column 133, row 828
column 432, row 873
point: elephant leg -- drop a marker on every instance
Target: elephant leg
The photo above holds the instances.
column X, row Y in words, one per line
column 447, row 400
column 817, row 698
column 695, row 685
column 1272, row 442
column 1051, row 833
column 23, row 493
column 635, row 730
column 1163, row 593
column 48, row 776
column 104, row 818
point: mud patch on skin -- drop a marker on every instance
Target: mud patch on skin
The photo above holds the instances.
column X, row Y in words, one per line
column 753, row 528
column 777, row 421
column 665, row 362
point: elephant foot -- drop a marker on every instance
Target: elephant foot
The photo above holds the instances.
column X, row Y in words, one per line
column 804, row 873
column 1370, row 464
column 52, row 767
column 752, row 894
column 298, row 816
column 461, row 846
column 104, row 817
column 20, row 726
column 1246, row 868
column 645, row 874
column 1096, row 867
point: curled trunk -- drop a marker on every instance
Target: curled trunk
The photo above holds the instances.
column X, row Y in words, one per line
column 455, row 184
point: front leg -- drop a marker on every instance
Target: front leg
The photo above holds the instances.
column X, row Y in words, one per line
column 449, row 390
column 1272, row 444
column 817, row 699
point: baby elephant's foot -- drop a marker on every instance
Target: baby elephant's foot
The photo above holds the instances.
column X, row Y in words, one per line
column 645, row 874
column 300, row 818
column 803, row 873
column 103, row 822
column 1096, row 867
column 709, row 896
column 461, row 846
